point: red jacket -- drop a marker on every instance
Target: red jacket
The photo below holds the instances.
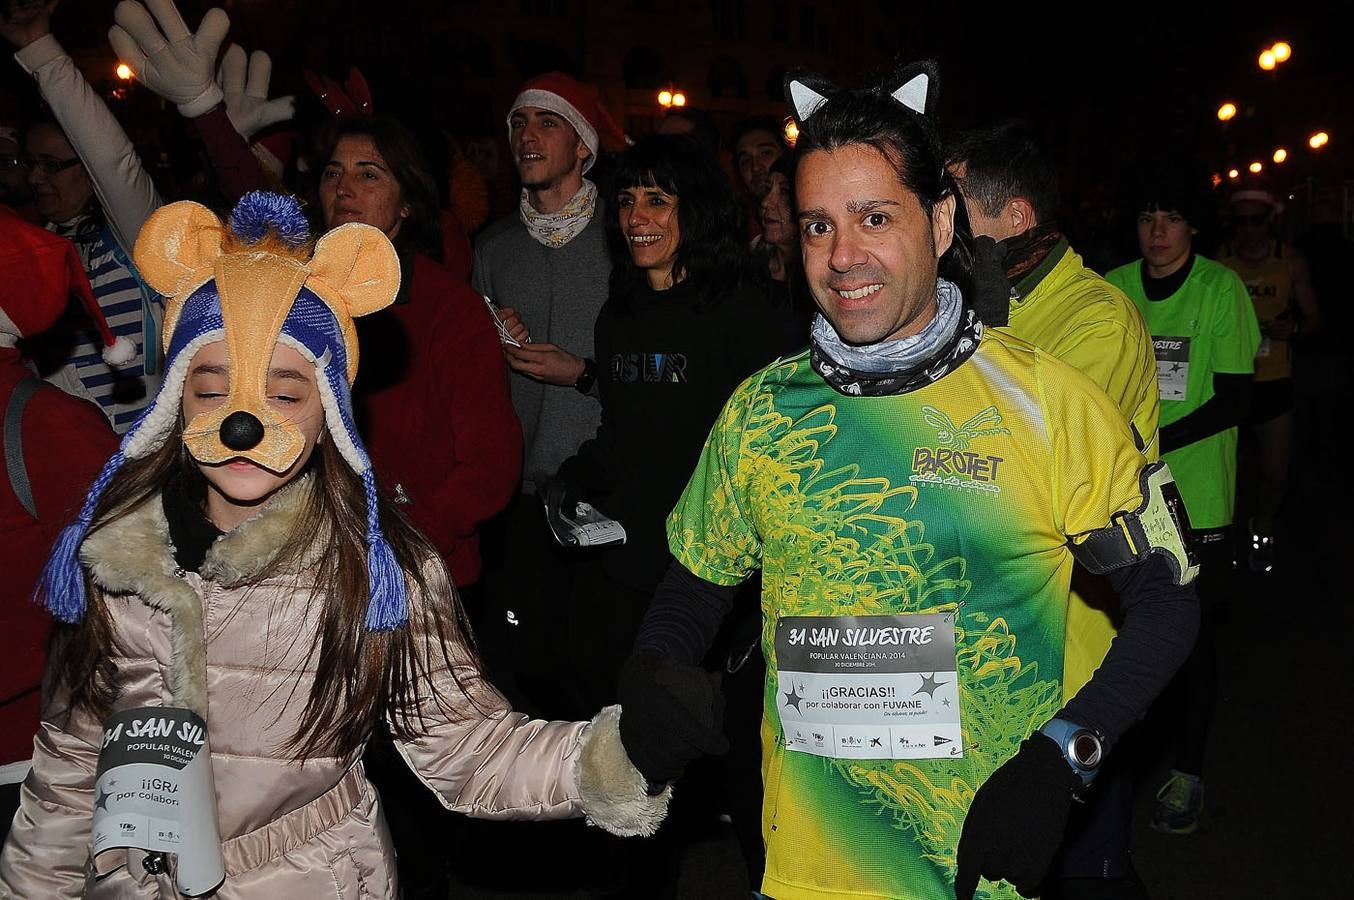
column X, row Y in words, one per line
column 65, row 442
column 432, row 397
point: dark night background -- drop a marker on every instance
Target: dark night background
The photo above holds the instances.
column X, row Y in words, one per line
column 1110, row 86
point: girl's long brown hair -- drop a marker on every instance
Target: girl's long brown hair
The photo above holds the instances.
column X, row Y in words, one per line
column 362, row 678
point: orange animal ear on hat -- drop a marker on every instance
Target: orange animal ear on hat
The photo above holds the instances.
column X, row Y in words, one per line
column 176, row 253
column 355, row 271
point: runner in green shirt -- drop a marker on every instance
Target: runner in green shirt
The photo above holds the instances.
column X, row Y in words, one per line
column 1205, row 334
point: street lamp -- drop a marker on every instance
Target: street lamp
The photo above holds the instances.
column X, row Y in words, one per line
column 1226, row 111
column 665, row 99
column 1256, row 167
column 1268, row 60
column 1233, row 174
column 123, row 71
column 791, row 131
column 1281, row 50
column 1280, row 155
column 1318, row 140
column 678, row 98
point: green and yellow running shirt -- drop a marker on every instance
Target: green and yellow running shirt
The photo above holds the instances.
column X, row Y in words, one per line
column 952, row 503
column 1208, row 325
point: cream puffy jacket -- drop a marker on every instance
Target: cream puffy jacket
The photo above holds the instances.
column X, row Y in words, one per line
column 236, row 648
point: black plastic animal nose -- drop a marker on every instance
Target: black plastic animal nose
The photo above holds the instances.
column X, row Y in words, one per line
column 240, row 431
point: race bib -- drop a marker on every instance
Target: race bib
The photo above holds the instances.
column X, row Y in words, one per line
column 154, row 791
column 869, row 687
column 1172, row 366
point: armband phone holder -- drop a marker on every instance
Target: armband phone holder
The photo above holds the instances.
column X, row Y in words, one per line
column 1160, row 525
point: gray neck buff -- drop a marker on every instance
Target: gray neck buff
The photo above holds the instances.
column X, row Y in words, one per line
column 904, row 354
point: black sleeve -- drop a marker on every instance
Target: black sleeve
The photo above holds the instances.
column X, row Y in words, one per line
column 684, row 616
column 1161, row 620
column 1228, row 406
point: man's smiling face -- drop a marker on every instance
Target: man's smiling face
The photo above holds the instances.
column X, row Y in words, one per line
column 871, row 252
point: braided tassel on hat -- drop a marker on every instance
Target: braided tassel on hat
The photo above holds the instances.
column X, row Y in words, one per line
column 388, row 607
column 63, row 582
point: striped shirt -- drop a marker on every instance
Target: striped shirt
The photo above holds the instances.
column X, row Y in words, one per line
column 123, row 392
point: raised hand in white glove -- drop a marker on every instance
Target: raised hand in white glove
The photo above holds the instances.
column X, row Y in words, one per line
column 247, row 101
column 168, row 58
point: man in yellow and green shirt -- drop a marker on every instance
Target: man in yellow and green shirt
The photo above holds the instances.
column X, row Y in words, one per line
column 914, row 489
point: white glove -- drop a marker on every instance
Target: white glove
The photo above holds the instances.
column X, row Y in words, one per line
column 168, row 58
column 247, row 101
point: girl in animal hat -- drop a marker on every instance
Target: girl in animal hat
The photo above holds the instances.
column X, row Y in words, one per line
column 235, row 566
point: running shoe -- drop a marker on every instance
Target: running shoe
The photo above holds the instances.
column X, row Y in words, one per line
column 1179, row 803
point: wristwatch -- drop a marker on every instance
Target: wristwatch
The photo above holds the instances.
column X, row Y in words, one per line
column 588, row 377
column 1081, row 747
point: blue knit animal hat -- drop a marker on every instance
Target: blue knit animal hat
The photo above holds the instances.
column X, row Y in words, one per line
column 253, row 284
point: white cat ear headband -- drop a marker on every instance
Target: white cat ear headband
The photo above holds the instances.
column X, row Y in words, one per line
column 806, row 92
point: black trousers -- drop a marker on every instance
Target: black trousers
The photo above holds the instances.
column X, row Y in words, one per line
column 1097, row 847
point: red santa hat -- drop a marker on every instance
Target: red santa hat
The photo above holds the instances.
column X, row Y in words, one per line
column 581, row 107
column 38, row 273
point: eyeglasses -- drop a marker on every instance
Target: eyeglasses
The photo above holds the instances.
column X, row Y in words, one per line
column 49, row 166
column 1257, row 219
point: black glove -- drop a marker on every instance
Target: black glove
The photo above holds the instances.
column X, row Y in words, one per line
column 1017, row 820
column 671, row 715
column 991, row 291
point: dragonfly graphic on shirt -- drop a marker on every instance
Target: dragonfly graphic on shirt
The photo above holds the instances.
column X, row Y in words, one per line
column 984, row 424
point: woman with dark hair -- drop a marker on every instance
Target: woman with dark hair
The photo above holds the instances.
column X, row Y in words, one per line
column 433, row 400
column 685, row 322
column 398, row 153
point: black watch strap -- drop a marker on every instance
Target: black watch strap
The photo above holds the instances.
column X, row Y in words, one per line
column 588, row 377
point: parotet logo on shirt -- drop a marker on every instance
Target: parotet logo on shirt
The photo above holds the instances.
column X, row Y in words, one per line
column 951, row 463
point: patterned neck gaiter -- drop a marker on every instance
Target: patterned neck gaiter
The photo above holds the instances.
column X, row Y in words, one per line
column 558, row 228
column 904, row 365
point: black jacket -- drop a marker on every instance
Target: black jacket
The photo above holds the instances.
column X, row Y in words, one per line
column 667, row 362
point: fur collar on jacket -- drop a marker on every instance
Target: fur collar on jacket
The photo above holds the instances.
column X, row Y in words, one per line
column 134, row 555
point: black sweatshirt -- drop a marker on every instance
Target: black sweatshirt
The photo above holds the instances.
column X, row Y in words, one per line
column 667, row 361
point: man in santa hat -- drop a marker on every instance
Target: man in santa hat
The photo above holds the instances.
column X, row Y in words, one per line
column 547, row 270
